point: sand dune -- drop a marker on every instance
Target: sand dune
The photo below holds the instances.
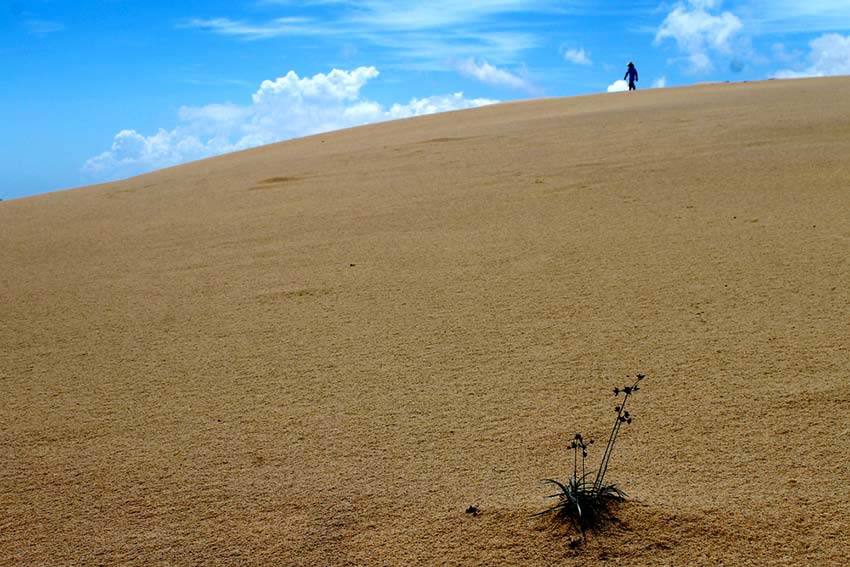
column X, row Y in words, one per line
column 320, row 352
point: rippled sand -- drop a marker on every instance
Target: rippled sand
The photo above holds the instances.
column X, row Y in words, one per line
column 321, row 352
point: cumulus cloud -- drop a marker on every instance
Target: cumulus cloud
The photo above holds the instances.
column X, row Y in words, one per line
column 659, row 83
column 491, row 75
column 287, row 107
column 698, row 33
column 335, row 86
column 577, row 56
column 618, row 86
column 828, row 55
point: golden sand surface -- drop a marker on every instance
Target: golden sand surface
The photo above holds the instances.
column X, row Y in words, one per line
column 321, row 352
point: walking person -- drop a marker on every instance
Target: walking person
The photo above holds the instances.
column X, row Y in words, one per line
column 632, row 75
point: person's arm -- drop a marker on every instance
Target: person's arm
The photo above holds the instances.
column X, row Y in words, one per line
column 626, row 75
column 636, row 75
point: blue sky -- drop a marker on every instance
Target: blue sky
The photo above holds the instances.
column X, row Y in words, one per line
column 95, row 90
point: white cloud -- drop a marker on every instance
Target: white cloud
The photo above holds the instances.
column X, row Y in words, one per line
column 491, row 75
column 659, row 83
column 213, row 118
column 796, row 16
column 436, row 14
column 704, row 4
column 274, row 28
column 335, row 86
column 288, row 107
column 618, row 86
column 828, row 55
column 42, row 28
column 698, row 33
column 435, row 33
column 433, row 105
column 783, row 55
column 435, row 46
column 577, row 56
column 133, row 153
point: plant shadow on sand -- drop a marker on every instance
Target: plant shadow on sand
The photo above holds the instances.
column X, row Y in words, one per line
column 646, row 534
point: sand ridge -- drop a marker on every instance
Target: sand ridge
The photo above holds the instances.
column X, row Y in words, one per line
column 321, row 352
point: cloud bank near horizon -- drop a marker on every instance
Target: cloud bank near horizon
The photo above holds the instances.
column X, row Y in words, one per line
column 285, row 108
column 828, row 55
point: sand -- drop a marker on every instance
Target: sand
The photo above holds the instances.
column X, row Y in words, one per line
column 321, row 352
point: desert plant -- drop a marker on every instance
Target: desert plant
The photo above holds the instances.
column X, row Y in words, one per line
column 581, row 501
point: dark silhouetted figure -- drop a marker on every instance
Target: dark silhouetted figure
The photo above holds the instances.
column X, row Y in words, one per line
column 632, row 75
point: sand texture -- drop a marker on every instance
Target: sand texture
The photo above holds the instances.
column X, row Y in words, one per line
column 321, row 352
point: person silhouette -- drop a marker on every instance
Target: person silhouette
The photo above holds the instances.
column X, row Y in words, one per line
column 632, row 75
